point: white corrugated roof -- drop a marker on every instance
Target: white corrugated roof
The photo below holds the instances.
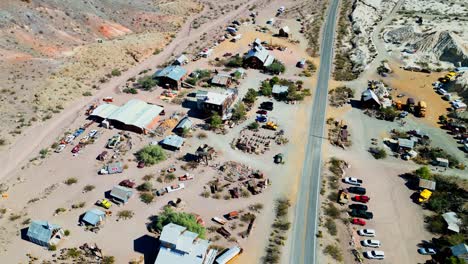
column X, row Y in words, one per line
column 135, row 112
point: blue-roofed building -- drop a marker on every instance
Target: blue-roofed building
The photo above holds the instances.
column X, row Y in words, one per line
column 136, row 115
column 121, row 194
column 178, row 245
column 94, row 217
column 172, row 142
column 170, row 77
column 44, row 233
column 460, row 251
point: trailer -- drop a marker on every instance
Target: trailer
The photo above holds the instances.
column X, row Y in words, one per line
column 229, row 255
column 219, row 220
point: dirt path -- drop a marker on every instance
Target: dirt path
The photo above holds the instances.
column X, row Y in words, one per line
column 43, row 134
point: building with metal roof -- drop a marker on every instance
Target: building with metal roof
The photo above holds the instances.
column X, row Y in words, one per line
column 170, row 77
column 405, row 144
column 181, row 60
column 172, row 142
column 258, row 57
column 227, row 256
column 94, row 217
column 185, row 123
column 221, row 79
column 453, row 222
column 121, row 193
column 460, row 251
column 135, row 115
column 220, row 103
column 178, row 245
column 369, row 99
column 427, row 184
column 44, row 233
column 279, row 90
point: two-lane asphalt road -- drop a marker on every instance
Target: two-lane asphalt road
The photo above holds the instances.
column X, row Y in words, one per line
column 304, row 243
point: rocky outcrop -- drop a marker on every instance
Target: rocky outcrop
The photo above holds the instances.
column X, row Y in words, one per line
column 365, row 16
column 443, row 46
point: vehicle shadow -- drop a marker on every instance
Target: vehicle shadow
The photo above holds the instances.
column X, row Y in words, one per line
column 148, row 246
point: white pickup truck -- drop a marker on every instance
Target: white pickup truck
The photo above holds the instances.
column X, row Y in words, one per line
column 175, row 187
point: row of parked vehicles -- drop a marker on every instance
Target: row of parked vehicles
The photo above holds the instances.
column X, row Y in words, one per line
column 359, row 210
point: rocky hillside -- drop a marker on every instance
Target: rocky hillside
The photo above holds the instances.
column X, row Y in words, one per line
column 430, row 34
column 52, row 52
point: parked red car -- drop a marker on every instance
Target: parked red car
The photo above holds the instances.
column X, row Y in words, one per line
column 76, row 149
column 262, row 112
column 361, row 198
column 141, row 164
column 127, row 183
column 358, row 221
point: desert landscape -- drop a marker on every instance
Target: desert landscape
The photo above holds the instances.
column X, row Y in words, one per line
column 249, row 131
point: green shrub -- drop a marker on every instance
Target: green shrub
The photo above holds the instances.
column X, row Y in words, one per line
column 71, row 181
column 183, row 219
column 87, row 93
column 125, row 214
column 276, row 67
column 334, row 251
column 108, row 260
column 67, row 232
column 332, row 211
column 116, row 72
column 130, row 90
column 331, row 226
column 253, row 126
column 215, row 121
column 250, row 97
column 52, row 247
column 145, row 187
column 234, row 62
column 147, row 197
column 239, row 112
column 378, row 153
column 151, row 155
column 88, row 188
column 424, row 173
column 147, row 83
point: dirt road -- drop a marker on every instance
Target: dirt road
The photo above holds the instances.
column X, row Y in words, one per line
column 43, row 134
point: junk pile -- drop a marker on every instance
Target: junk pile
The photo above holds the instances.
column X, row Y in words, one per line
column 257, row 142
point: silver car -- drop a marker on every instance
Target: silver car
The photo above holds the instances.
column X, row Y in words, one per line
column 371, row 243
column 374, row 254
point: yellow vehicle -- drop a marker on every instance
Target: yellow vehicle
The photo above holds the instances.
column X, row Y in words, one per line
column 422, row 106
column 104, row 203
column 271, row 125
column 424, row 196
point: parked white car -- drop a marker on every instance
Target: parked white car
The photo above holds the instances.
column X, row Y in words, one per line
column 60, row 148
column 92, row 133
column 176, row 187
column 353, row 181
column 371, row 243
column 427, row 251
column 374, row 254
column 441, row 91
column 366, row 232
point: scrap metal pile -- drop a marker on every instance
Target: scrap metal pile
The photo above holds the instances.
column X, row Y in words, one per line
column 256, row 142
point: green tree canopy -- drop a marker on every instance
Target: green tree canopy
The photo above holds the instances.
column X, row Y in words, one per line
column 183, row 219
column 276, row 67
column 250, row 96
column 151, row 155
column 239, row 112
column 215, row 120
column 147, row 82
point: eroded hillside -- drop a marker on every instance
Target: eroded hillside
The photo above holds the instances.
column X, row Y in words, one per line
column 54, row 51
